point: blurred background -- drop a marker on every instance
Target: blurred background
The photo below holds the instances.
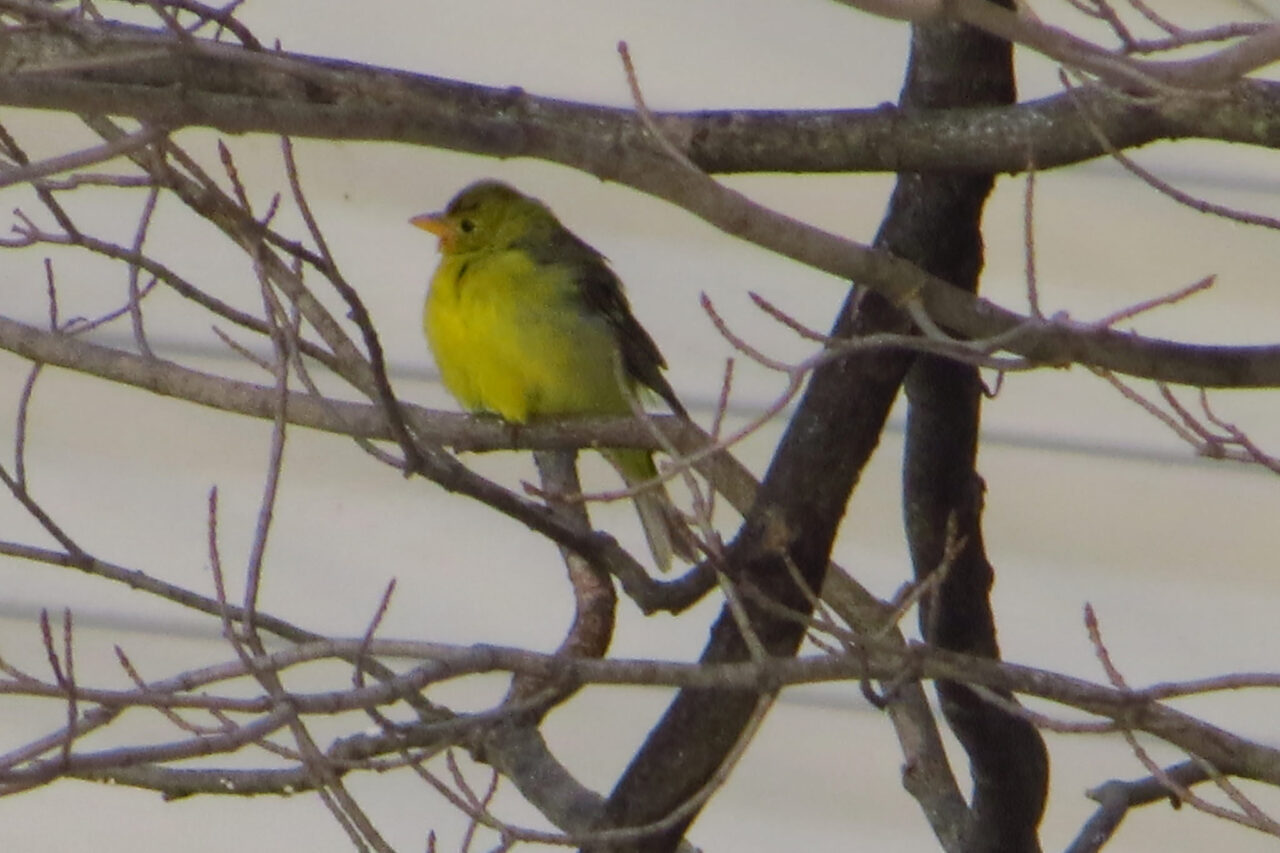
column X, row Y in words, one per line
column 1089, row 499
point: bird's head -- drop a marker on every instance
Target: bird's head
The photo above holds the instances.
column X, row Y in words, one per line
column 486, row 215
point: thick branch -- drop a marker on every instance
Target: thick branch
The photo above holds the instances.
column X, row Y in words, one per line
column 86, row 67
column 939, row 229
column 785, row 542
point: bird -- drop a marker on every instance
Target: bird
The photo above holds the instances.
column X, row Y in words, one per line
column 526, row 320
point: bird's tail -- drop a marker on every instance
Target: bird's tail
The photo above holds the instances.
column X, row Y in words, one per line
column 664, row 527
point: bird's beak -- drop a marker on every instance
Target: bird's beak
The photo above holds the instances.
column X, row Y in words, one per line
column 438, row 225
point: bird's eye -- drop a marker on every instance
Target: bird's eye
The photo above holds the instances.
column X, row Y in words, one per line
column 467, row 226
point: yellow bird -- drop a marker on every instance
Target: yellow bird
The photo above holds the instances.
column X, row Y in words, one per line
column 527, row 320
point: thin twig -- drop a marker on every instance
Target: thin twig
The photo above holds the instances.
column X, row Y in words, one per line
column 28, row 172
column 135, row 294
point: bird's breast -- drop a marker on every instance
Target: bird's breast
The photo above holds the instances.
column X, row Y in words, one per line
column 511, row 336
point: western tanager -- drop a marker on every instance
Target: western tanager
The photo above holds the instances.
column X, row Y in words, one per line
column 526, row 320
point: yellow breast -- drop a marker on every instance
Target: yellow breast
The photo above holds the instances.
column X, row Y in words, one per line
column 510, row 337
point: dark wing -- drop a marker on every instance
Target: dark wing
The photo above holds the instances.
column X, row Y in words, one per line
column 601, row 293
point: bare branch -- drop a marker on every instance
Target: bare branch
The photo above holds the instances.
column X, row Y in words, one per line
column 30, row 172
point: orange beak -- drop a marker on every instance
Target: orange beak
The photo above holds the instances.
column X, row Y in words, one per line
column 438, row 225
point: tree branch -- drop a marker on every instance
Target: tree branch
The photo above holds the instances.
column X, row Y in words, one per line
column 938, row 226
column 81, row 66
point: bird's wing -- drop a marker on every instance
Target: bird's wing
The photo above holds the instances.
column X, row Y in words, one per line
column 602, row 295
